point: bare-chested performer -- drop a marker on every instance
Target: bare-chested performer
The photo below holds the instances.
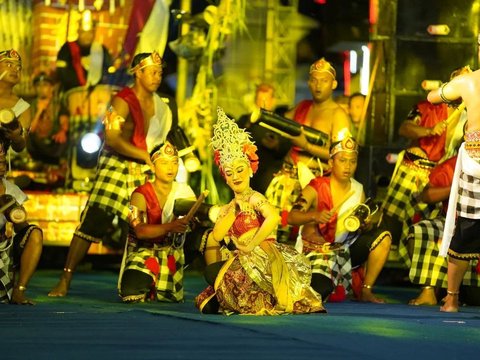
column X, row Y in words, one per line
column 139, row 120
column 460, row 239
column 20, row 254
column 321, row 113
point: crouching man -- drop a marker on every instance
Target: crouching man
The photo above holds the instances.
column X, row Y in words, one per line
column 334, row 250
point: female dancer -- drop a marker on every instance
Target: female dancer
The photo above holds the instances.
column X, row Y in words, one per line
column 261, row 276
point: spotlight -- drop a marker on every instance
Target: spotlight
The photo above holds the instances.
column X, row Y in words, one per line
column 192, row 163
column 87, row 150
column 90, row 143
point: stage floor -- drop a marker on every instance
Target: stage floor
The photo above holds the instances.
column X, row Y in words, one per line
column 92, row 323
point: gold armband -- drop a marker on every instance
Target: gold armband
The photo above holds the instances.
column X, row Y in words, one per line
column 136, row 216
column 113, row 122
column 442, row 95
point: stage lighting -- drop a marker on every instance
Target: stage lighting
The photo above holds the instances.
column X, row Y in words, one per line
column 90, row 143
column 185, row 150
column 87, row 150
column 191, row 161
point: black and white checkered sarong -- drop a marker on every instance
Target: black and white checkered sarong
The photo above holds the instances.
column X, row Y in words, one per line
column 401, row 202
column 168, row 281
column 468, row 195
column 427, row 267
column 334, row 265
column 115, row 181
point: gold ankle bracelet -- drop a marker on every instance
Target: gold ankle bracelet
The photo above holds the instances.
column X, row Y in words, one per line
column 68, row 270
column 21, row 287
column 366, row 286
column 428, row 287
column 453, row 293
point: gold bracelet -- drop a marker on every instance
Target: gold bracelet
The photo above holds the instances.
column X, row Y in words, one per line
column 442, row 95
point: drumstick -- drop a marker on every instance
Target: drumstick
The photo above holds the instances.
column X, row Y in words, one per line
column 455, row 112
column 7, row 205
column 335, row 208
column 196, row 205
column 3, row 74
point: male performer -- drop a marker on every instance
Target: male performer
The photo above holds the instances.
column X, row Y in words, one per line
column 11, row 105
column 154, row 259
column 321, row 113
column 434, row 140
column 23, row 251
column 139, row 120
column 83, row 62
column 322, row 208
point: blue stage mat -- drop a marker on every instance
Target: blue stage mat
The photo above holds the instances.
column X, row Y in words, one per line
column 92, row 323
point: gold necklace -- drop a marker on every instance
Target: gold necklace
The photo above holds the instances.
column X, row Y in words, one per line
column 245, row 196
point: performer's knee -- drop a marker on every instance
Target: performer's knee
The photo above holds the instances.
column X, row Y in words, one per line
column 135, row 282
column 211, row 272
column 322, row 285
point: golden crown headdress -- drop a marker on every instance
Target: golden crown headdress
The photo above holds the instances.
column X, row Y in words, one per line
column 167, row 151
column 344, row 142
column 153, row 59
column 323, row 65
column 231, row 143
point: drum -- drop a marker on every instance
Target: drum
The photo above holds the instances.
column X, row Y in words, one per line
column 87, row 105
column 8, row 119
column 9, row 207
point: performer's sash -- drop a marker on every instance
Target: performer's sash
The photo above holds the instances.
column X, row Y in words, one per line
column 345, row 210
column 470, row 167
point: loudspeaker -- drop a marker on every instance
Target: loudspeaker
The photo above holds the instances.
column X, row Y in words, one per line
column 375, row 168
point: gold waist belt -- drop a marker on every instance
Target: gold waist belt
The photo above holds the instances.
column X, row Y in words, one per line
column 472, row 145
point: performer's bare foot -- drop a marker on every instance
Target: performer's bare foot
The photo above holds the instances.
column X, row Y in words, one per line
column 368, row 296
column 451, row 302
column 426, row 297
column 18, row 296
column 61, row 289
